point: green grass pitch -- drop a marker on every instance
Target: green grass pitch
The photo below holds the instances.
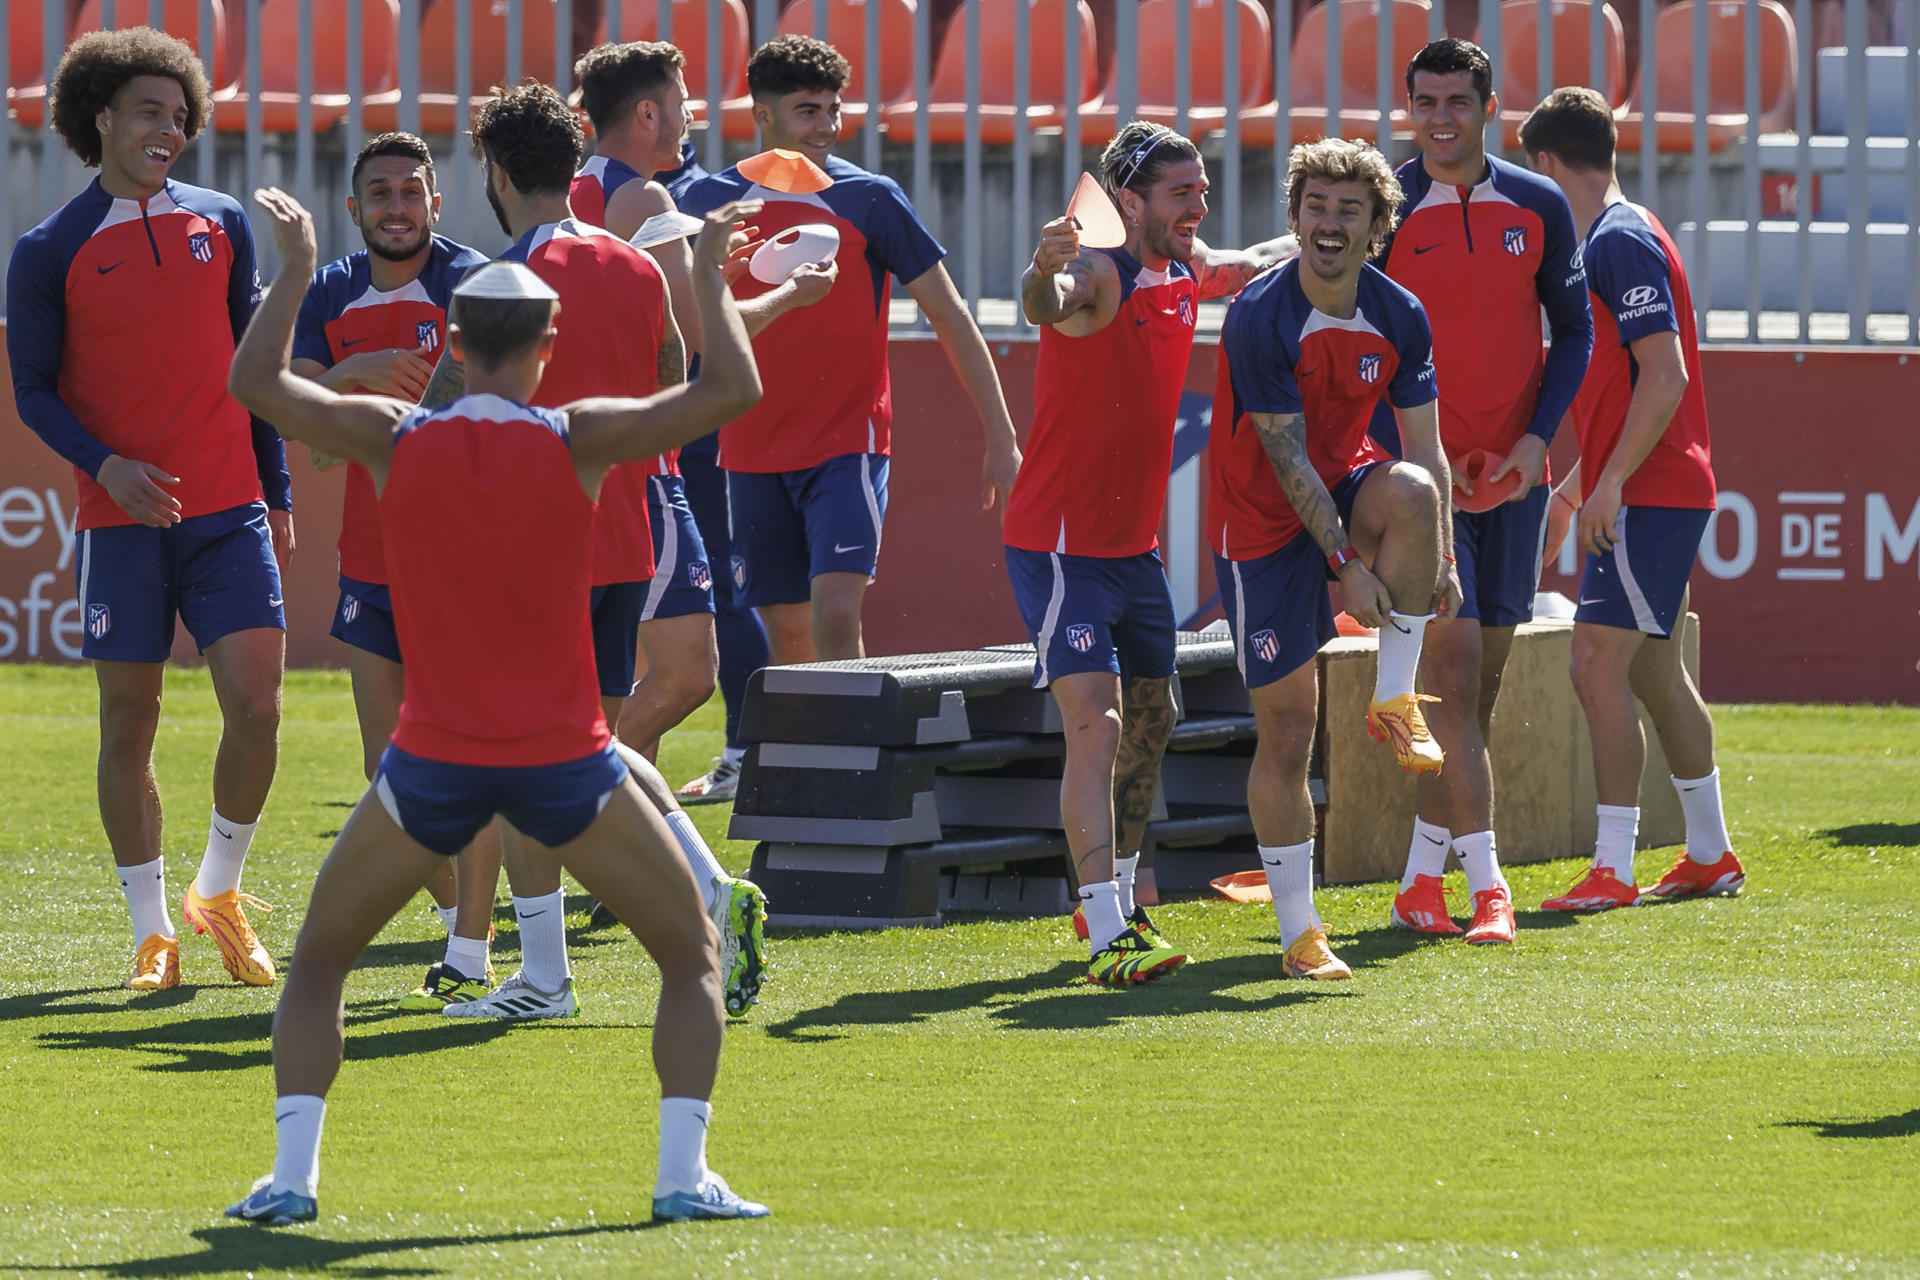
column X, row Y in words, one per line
column 1715, row 1089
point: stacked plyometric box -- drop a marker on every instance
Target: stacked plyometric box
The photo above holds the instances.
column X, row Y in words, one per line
column 887, row 790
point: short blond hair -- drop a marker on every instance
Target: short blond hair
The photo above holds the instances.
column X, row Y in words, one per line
column 1339, row 160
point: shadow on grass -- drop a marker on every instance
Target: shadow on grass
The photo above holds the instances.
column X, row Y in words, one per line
column 241, row 1248
column 1874, row 835
column 203, row 1044
column 42, row 1004
column 1904, row 1125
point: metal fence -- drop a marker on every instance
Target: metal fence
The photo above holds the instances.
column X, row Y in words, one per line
column 1789, row 173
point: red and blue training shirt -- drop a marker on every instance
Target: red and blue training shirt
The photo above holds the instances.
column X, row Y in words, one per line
column 1094, row 480
column 1281, row 355
column 824, row 367
column 123, row 316
column 1484, row 260
column 343, row 315
column 489, row 548
column 613, row 316
column 1640, row 288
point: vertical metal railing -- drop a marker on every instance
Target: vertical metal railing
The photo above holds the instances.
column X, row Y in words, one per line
column 870, row 135
column 1126, row 62
column 1070, row 133
column 204, row 151
column 1912, row 149
column 1183, row 64
column 1490, row 40
column 255, row 162
column 1597, row 42
column 1336, row 87
column 1803, row 198
column 922, row 76
column 1750, row 165
column 407, row 114
column 1383, row 77
column 356, row 91
column 973, row 244
column 1860, row 283
column 303, row 77
column 1697, row 178
column 1230, row 120
column 53, row 42
column 1283, row 106
column 717, row 86
column 1023, row 220
column 1649, row 186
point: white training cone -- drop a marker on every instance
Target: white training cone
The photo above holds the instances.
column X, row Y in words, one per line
column 786, row 252
column 664, row 227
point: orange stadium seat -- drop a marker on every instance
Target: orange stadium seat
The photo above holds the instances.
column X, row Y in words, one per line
column 1047, row 97
column 280, row 38
column 438, row 68
column 1726, row 77
column 640, row 20
column 26, row 32
column 1519, row 80
column 1359, row 98
column 182, row 19
column 847, row 32
column 1207, row 35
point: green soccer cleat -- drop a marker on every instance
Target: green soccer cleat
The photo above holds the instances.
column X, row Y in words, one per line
column 1131, row 959
column 740, row 915
column 443, row 985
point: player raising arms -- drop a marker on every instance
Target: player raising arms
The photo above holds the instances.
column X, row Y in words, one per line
column 1484, row 245
column 124, row 308
column 489, row 508
column 1299, row 493
column 376, row 321
column 807, row 469
column 1647, row 492
column 1084, row 517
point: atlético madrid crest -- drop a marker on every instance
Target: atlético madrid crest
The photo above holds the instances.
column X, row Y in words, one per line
column 200, row 245
column 99, row 621
column 1080, row 636
column 426, row 335
column 1516, row 240
column 1266, row 645
column 1370, row 367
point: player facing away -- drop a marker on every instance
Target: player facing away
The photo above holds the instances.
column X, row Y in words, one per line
column 807, row 469
column 184, row 502
column 376, row 321
column 1646, row 487
column 1299, row 493
column 618, row 339
column 1484, row 245
column 488, row 504
column 1082, row 526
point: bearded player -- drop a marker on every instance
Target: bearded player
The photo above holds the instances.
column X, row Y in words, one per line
column 1083, row 521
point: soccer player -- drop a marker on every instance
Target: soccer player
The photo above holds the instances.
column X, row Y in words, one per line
column 1299, row 493
column 1084, row 517
column 1646, row 486
column 375, row 321
column 807, row 469
column 489, row 509
column 124, row 307
column 1484, row 245
column 618, row 339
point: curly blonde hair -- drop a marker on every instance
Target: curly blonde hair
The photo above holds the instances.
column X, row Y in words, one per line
column 1338, row 160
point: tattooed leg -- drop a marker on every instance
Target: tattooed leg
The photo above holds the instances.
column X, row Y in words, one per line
column 1146, row 723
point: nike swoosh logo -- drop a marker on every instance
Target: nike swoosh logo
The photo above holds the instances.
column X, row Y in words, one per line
column 115, row 267
column 1418, row 250
column 354, row 342
column 1141, row 321
column 274, row 603
column 224, row 835
column 1431, row 839
column 1307, row 373
column 840, row 550
column 533, row 915
column 283, row 1115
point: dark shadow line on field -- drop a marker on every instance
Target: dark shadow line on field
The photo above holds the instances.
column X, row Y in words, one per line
column 1536, row 919
column 1904, row 1125
column 239, row 1247
column 1865, row 835
column 194, row 1045
column 1199, row 987
column 896, row 1008
column 41, row 1004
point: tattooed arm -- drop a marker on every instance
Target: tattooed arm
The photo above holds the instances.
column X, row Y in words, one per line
column 1066, row 285
column 670, row 368
column 1284, row 437
column 449, row 383
column 1221, row 273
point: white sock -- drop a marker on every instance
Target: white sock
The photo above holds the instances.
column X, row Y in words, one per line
column 1100, row 904
column 1123, row 873
column 297, row 1118
column 1613, row 844
column 683, row 1145
column 543, row 940
column 449, row 916
column 706, row 868
column 1481, row 863
column 146, row 890
column 733, row 755
column 1289, row 869
column 1427, row 855
column 1399, row 654
column 1707, row 835
column 468, row 956
column 226, row 854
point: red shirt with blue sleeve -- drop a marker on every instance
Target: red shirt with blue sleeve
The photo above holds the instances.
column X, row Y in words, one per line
column 344, row 315
column 824, row 366
column 1281, row 355
column 594, row 185
column 1484, row 260
column 1640, row 288
column 1094, row 480
column 93, row 375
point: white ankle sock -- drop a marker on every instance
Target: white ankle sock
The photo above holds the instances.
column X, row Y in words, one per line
column 146, row 889
column 543, row 940
column 1427, row 855
column 449, row 916
column 683, row 1145
column 297, row 1120
column 733, row 755
column 226, row 854
column 469, row 956
column 1100, row 903
column 1707, row 835
column 1289, row 869
column 1619, row 828
column 1399, row 654
column 706, row 868
column 1123, row 873
column 1481, row 863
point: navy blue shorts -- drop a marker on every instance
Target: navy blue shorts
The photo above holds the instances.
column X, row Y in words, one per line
column 215, row 571
column 616, row 634
column 1094, row 613
column 444, row 806
column 1641, row 582
column 1498, row 555
column 1278, row 606
column 364, row 618
column 789, row 527
column 682, row 583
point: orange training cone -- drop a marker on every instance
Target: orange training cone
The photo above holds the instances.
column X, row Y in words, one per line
column 1099, row 221
column 784, row 171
